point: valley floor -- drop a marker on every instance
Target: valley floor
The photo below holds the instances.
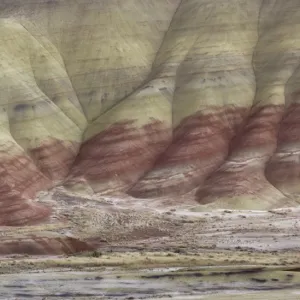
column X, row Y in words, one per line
column 167, row 254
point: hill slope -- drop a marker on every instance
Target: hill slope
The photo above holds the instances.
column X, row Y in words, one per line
column 192, row 100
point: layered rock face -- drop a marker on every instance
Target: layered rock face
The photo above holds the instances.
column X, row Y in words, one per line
column 192, row 98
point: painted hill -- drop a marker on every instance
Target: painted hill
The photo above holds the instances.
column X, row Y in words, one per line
column 188, row 100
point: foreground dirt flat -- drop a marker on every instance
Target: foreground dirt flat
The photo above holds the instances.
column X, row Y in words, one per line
column 241, row 282
column 147, row 250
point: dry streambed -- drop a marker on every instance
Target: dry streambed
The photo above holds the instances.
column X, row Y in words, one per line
column 168, row 283
column 150, row 276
